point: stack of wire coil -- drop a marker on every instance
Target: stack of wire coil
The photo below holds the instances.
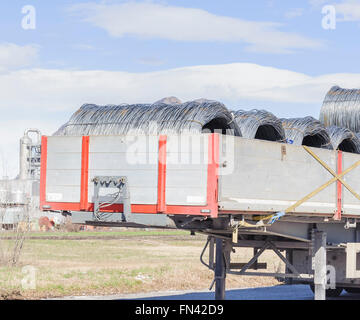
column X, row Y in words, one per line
column 338, row 128
column 158, row 118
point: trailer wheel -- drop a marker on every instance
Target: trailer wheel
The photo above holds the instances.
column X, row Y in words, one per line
column 331, row 293
column 352, row 290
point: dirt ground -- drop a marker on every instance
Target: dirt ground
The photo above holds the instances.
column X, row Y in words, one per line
column 131, row 263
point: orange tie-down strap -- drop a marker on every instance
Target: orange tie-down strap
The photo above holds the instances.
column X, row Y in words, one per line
column 336, row 177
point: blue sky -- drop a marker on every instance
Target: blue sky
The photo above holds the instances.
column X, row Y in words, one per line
column 66, row 41
column 271, row 54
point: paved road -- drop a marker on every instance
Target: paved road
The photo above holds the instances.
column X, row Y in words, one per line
column 282, row 292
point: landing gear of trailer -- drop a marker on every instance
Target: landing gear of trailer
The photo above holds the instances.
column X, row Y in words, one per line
column 220, row 249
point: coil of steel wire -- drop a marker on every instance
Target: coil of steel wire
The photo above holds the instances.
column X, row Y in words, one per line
column 259, row 124
column 306, row 131
column 343, row 139
column 341, row 108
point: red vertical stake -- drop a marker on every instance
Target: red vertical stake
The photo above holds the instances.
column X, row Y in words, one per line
column 212, row 181
column 84, row 188
column 339, row 187
column 161, row 200
column 43, row 167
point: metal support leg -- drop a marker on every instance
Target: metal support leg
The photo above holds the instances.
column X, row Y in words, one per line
column 319, row 264
column 211, row 252
column 255, row 265
column 220, row 272
column 289, row 257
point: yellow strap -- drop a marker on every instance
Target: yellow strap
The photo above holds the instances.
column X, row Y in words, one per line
column 337, row 177
column 235, row 234
column 316, row 191
column 332, row 172
column 258, row 218
column 247, row 225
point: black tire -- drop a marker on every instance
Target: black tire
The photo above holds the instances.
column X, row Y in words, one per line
column 331, row 293
column 352, row 290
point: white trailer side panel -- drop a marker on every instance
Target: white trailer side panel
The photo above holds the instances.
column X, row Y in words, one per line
column 270, row 176
column 135, row 157
column 186, row 170
column 63, row 169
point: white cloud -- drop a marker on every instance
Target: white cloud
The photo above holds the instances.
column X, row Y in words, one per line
column 48, row 93
column 154, row 20
column 13, row 56
column 151, row 61
column 84, row 46
column 294, row 13
column 52, row 89
column 348, row 10
column 316, row 3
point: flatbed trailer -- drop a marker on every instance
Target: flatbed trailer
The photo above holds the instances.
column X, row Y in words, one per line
column 242, row 193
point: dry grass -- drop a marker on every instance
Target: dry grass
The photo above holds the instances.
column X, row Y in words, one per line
column 128, row 265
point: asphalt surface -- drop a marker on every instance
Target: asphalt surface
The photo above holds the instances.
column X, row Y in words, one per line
column 281, row 292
